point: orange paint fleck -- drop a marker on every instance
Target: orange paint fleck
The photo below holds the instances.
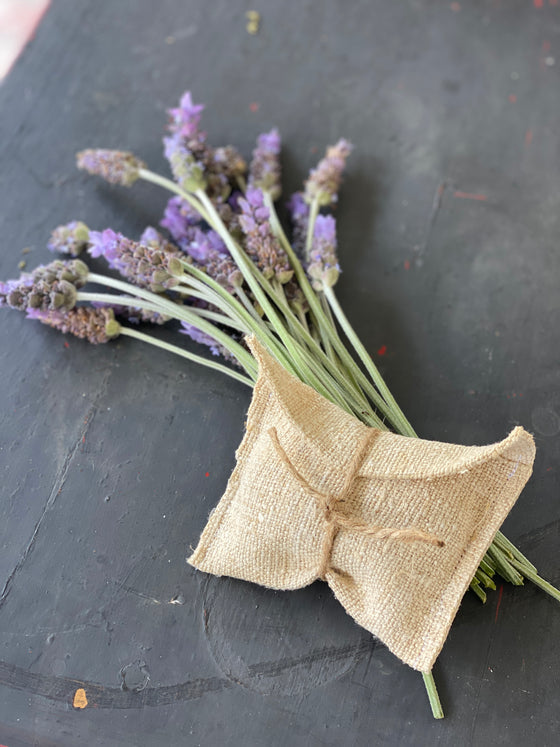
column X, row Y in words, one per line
column 407, row 264
column 80, row 700
column 469, row 196
column 254, row 106
column 207, row 474
column 512, row 98
column 382, row 350
column 455, row 7
column 528, row 137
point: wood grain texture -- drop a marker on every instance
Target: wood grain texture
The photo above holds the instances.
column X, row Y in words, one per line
column 448, row 226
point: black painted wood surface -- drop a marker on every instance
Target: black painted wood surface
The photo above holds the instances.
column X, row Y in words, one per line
column 448, row 226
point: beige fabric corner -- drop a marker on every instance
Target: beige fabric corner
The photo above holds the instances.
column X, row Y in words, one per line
column 401, row 547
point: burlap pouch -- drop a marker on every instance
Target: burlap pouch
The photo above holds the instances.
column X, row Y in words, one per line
column 396, row 526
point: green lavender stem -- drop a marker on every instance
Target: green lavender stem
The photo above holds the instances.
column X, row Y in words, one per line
column 433, row 696
column 128, row 332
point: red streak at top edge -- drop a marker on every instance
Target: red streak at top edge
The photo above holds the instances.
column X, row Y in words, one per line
column 469, row 196
column 499, row 602
column 382, row 350
column 538, row 3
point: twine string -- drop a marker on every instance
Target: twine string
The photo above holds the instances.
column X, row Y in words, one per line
column 334, row 518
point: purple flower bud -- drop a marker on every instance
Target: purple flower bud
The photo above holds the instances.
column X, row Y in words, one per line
column 185, row 119
column 299, row 215
column 145, row 265
column 322, row 263
column 324, row 181
column 48, row 287
column 116, row 166
column 95, row 325
column 69, row 239
column 205, row 339
column 178, row 217
column 264, row 171
column 260, row 243
column 187, row 169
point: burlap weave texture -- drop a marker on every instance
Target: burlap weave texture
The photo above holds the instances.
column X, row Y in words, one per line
column 397, row 531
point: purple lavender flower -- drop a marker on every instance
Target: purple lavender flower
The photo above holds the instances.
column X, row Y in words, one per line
column 116, row 166
column 48, row 287
column 324, row 181
column 195, row 165
column 186, row 163
column 261, row 244
column 264, row 171
column 205, row 339
column 133, row 314
column 69, row 239
column 200, row 245
column 299, row 215
column 145, row 265
column 178, row 217
column 185, row 119
column 322, row 263
column 95, row 325
column 202, row 337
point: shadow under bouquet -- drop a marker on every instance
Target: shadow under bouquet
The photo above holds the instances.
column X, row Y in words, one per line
column 331, row 480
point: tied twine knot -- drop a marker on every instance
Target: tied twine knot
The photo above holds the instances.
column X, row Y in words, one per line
column 334, row 518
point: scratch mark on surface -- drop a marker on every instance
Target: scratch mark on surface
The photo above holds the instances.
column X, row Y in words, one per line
column 63, row 689
column 58, row 485
column 436, row 205
column 55, row 492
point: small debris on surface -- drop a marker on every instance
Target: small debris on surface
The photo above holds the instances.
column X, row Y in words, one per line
column 253, row 21
column 21, row 264
column 177, row 599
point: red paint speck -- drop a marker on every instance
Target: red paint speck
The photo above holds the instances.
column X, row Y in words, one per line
column 207, row 474
column 314, row 149
column 83, row 439
column 455, row 7
column 254, row 106
column 512, row 98
column 546, row 46
column 407, row 264
column 528, row 137
column 499, row 602
column 553, row 2
column 382, row 350
column 548, row 469
column 538, row 3
column 66, row 345
column 469, row 196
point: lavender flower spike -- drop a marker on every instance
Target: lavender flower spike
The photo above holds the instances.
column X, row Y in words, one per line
column 69, row 239
column 185, row 119
column 261, row 244
column 51, row 287
column 145, row 265
column 264, row 171
column 324, row 181
column 299, row 215
column 322, row 263
column 116, row 166
column 179, row 217
column 95, row 325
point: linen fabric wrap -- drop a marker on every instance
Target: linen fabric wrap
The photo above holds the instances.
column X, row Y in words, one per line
column 270, row 529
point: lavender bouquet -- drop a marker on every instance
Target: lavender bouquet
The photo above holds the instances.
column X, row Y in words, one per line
column 225, row 270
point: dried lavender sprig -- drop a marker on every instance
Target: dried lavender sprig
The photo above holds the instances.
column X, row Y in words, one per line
column 264, row 170
column 324, row 181
column 115, row 166
column 95, row 325
column 71, row 238
column 322, row 262
column 48, row 287
column 145, row 265
column 261, row 244
column 299, row 217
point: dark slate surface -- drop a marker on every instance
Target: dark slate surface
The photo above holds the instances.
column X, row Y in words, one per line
column 454, row 111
